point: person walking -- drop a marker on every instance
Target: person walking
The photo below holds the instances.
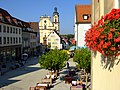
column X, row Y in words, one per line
column 68, row 65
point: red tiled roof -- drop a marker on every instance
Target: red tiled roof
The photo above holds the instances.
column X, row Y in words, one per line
column 35, row 26
column 81, row 10
column 72, row 40
column 12, row 20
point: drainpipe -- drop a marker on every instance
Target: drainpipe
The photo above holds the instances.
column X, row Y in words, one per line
column 77, row 37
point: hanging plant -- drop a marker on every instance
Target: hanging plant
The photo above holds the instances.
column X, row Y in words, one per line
column 104, row 36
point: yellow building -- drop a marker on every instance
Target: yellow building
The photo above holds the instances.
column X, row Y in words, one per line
column 104, row 78
column 46, row 26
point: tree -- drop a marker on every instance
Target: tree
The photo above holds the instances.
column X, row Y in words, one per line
column 83, row 57
column 68, row 36
column 53, row 60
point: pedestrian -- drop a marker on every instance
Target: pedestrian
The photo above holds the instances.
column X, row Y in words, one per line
column 67, row 65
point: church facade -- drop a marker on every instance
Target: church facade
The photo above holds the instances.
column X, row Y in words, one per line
column 46, row 26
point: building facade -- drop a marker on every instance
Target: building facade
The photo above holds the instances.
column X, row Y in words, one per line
column 10, row 39
column 102, row 78
column 82, row 23
column 46, row 26
column 16, row 38
column 54, row 40
column 35, row 27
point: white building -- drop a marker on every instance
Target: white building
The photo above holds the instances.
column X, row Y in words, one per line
column 54, row 40
column 10, row 40
column 82, row 23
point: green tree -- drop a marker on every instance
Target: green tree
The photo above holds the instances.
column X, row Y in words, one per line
column 49, row 45
column 83, row 57
column 68, row 36
column 53, row 60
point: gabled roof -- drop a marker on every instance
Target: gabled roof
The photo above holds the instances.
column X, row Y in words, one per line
column 55, row 32
column 81, row 10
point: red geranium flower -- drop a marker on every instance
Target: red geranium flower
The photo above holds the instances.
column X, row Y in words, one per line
column 104, row 36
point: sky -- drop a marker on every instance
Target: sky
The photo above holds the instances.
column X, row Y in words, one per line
column 31, row 10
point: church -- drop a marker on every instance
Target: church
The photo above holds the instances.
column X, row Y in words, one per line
column 47, row 26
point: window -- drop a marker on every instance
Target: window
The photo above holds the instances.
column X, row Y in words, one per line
column 4, row 40
column 16, row 31
column 8, row 40
column 13, row 30
column 55, row 20
column 0, row 28
column 48, row 39
column 57, row 39
column 4, row 28
column 7, row 29
column 85, row 17
column 19, row 31
column 11, row 39
column 54, row 43
column 19, row 40
column 0, row 40
column 45, row 21
column 10, row 29
column 44, row 26
column 14, row 40
column 52, row 36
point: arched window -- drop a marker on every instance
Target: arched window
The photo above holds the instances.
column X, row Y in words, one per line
column 44, row 26
column 55, row 20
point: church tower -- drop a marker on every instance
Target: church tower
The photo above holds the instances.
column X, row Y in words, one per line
column 55, row 20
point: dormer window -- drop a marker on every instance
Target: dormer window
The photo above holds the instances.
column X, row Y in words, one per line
column 8, row 18
column 85, row 17
column 15, row 21
column 0, row 16
column 20, row 23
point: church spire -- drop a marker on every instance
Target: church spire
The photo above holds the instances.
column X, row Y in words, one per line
column 55, row 12
column 55, row 9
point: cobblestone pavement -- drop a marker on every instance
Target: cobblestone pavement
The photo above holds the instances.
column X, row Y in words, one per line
column 24, row 77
